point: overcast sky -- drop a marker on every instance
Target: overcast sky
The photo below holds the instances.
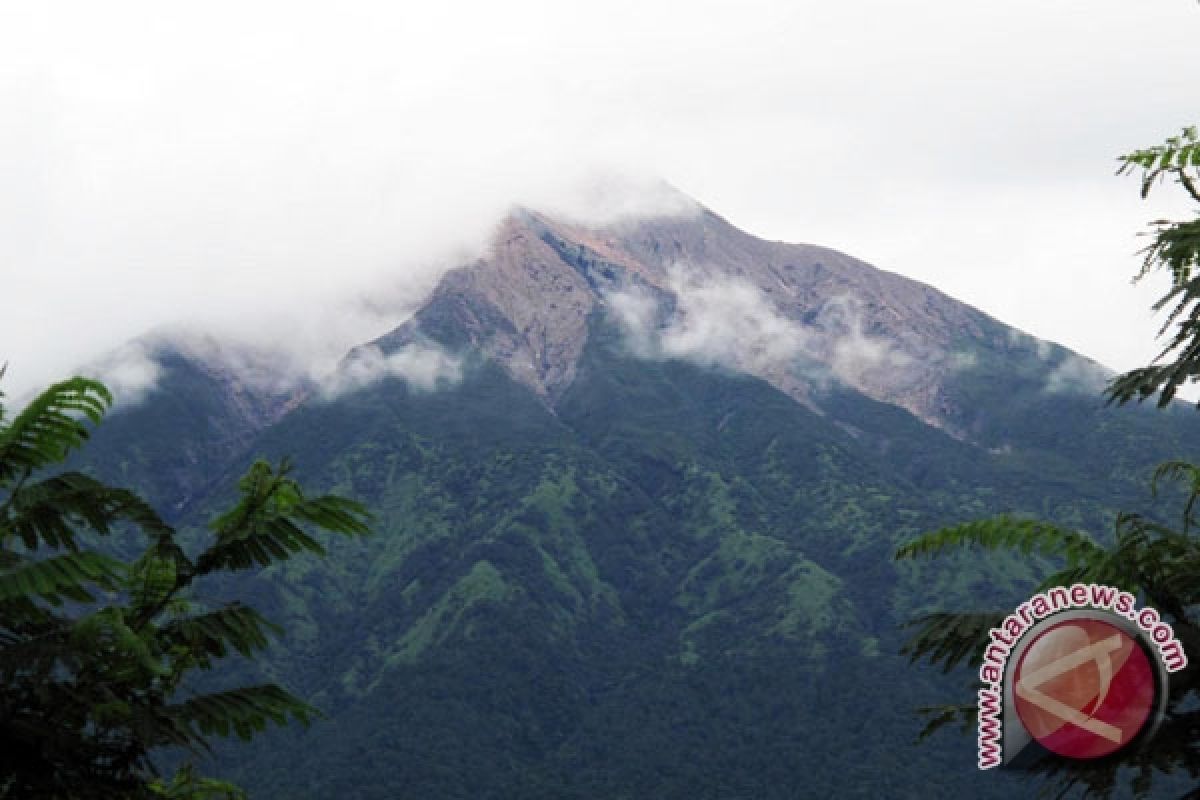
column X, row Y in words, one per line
column 259, row 168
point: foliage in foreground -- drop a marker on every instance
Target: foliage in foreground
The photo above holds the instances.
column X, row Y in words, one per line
column 1158, row 563
column 1174, row 248
column 95, row 650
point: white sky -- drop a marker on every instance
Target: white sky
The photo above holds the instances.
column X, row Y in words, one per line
column 254, row 167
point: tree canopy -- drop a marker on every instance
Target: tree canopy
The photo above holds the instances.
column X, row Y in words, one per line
column 1157, row 562
column 1174, row 248
column 95, row 650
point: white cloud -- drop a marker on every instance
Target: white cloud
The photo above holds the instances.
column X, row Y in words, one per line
column 717, row 321
column 254, row 165
column 129, row 372
column 612, row 196
column 730, row 323
column 854, row 355
column 1078, row 375
column 724, row 321
column 963, row 360
column 637, row 312
column 424, row 367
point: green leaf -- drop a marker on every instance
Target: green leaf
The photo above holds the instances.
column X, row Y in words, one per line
column 186, row 785
column 1003, row 532
column 263, row 527
column 45, row 513
column 938, row 717
column 951, row 638
column 243, row 712
column 237, row 625
column 61, row 576
column 50, row 426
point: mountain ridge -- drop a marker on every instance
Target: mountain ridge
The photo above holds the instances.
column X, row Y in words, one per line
column 660, row 574
column 826, row 315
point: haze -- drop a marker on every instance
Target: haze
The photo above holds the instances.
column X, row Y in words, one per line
column 298, row 174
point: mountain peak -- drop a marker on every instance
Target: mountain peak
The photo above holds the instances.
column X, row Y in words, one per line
column 691, row 285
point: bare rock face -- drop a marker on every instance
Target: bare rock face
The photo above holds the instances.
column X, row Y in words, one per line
column 693, row 286
column 521, row 305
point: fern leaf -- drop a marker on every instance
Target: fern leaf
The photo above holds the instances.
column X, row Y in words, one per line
column 263, row 527
column 938, row 717
column 244, row 712
column 50, row 426
column 237, row 625
column 1005, row 532
column 62, row 576
column 43, row 512
column 108, row 628
column 333, row 513
column 949, row 638
column 186, row 785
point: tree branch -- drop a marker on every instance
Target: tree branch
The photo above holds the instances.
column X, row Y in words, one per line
column 1189, row 184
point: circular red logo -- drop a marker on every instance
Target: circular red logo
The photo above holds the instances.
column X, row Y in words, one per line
column 1084, row 688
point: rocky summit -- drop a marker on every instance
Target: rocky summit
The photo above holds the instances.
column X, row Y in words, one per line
column 694, row 287
column 636, row 491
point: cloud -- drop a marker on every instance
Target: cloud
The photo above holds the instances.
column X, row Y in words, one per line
column 637, row 312
column 714, row 321
column 424, row 367
column 262, row 166
column 962, row 360
column 614, row 196
column 854, row 355
column 1043, row 349
column 719, row 320
column 129, row 372
column 1076, row 374
column 1067, row 372
column 726, row 322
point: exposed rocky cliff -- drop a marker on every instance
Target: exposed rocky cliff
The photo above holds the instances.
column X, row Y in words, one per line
column 695, row 287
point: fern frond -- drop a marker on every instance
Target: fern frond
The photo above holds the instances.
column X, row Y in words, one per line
column 60, row 577
column 235, row 625
column 186, row 785
column 243, row 712
column 938, row 717
column 950, row 638
column 1185, row 473
column 262, row 528
column 152, row 580
column 1006, row 532
column 108, row 629
column 50, row 426
column 333, row 513
column 44, row 513
column 260, row 543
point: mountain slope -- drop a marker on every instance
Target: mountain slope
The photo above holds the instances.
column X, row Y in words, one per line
column 640, row 544
column 693, row 286
column 205, row 409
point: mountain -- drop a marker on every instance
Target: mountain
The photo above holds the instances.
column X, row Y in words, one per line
column 211, row 401
column 636, row 490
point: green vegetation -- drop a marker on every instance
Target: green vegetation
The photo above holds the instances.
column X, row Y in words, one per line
column 96, row 651
column 1159, row 563
column 677, row 582
column 1175, row 248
